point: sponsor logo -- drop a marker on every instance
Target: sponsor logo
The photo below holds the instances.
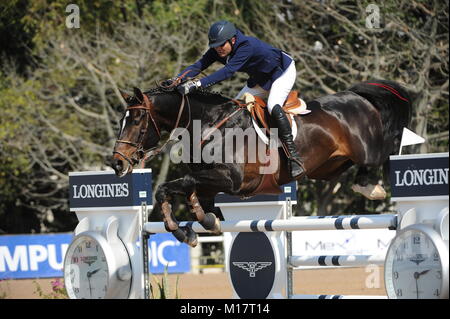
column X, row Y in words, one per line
column 436, row 176
column 100, row 190
column 251, row 266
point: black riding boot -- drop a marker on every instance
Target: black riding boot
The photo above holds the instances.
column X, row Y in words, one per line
column 285, row 135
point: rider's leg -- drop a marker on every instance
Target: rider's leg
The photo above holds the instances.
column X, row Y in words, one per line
column 278, row 93
column 255, row 91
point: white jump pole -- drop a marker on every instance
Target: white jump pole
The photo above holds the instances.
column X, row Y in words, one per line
column 388, row 221
column 337, row 261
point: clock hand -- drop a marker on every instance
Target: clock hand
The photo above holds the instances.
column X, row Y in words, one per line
column 93, row 272
column 90, row 273
column 423, row 272
column 90, row 288
column 416, row 276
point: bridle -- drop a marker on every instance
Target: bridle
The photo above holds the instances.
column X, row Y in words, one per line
column 148, row 107
column 139, row 145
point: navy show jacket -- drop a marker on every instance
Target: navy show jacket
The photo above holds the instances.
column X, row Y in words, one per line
column 262, row 62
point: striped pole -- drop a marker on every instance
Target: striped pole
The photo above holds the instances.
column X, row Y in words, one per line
column 298, row 224
column 337, row 261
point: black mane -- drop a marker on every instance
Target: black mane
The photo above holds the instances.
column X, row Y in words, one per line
column 199, row 94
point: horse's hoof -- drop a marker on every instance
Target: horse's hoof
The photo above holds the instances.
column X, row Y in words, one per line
column 186, row 235
column 211, row 223
column 191, row 236
column 371, row 192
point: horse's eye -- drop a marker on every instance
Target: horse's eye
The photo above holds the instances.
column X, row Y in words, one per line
column 136, row 121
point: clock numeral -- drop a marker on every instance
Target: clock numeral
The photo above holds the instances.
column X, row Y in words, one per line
column 398, row 257
column 399, row 293
column 79, row 249
column 437, row 293
column 416, row 240
column 76, row 290
column 435, row 256
column 395, row 274
column 88, row 244
column 74, row 260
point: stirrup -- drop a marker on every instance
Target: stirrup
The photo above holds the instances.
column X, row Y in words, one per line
column 300, row 164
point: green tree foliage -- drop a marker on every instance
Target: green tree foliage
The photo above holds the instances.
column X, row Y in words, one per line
column 60, row 103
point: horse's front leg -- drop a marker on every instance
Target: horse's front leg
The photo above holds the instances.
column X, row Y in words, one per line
column 186, row 187
column 209, row 221
column 163, row 196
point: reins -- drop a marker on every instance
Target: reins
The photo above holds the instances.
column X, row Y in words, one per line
column 241, row 106
column 146, row 105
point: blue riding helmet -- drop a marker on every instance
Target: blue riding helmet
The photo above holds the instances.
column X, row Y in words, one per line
column 220, row 32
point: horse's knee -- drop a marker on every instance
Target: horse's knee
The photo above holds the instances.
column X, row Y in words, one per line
column 161, row 194
column 189, row 183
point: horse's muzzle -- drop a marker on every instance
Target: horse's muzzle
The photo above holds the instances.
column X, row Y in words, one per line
column 120, row 166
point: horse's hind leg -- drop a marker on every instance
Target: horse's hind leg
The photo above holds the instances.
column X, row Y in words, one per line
column 366, row 183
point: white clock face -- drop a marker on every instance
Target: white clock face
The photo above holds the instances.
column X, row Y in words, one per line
column 413, row 267
column 86, row 269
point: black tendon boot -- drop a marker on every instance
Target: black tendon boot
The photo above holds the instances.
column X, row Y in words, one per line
column 285, row 135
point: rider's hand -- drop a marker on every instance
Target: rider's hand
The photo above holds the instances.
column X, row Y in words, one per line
column 169, row 82
column 189, row 86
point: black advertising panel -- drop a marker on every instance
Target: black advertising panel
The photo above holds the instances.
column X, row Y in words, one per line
column 415, row 176
column 105, row 189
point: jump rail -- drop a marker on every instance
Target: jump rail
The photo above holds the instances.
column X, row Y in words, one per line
column 336, row 261
column 299, row 224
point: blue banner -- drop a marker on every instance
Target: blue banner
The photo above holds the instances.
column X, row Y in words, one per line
column 42, row 256
column 164, row 249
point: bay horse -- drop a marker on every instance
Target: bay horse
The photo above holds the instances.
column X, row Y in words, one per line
column 360, row 126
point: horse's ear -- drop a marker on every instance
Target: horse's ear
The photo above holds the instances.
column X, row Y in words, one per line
column 138, row 94
column 125, row 95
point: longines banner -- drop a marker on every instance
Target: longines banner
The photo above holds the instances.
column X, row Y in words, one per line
column 422, row 175
column 105, row 189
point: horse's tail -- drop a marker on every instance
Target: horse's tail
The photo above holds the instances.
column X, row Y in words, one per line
column 394, row 104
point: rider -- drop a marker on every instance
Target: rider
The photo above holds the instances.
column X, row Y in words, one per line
column 271, row 74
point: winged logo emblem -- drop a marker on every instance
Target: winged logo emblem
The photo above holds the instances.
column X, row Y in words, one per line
column 251, row 266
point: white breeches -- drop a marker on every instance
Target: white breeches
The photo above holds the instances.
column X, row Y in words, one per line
column 278, row 92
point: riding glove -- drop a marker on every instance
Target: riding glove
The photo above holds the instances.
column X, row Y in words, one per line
column 189, row 86
column 169, row 82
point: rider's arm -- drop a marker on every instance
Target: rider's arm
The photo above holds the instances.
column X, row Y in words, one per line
column 243, row 53
column 205, row 61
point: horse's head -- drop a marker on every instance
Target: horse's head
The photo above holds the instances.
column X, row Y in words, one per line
column 139, row 133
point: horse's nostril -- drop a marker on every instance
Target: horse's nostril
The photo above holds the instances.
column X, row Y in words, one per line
column 117, row 165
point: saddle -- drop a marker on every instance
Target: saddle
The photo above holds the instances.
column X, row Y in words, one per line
column 261, row 118
column 258, row 108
